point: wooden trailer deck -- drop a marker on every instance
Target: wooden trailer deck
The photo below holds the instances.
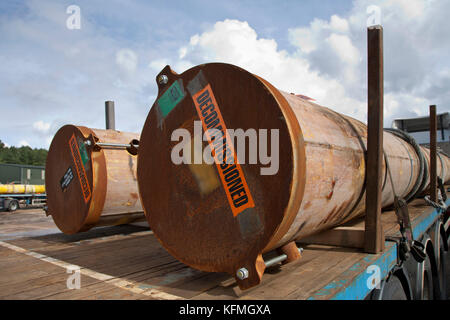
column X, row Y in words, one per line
column 127, row 262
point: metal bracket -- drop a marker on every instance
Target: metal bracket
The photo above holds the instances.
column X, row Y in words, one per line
column 402, row 213
column 131, row 147
column 404, row 249
column 251, row 274
column 278, row 259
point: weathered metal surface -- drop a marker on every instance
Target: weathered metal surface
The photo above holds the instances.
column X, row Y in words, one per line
column 335, row 172
column 319, row 184
column 88, row 185
column 291, row 251
column 442, row 167
column 187, row 206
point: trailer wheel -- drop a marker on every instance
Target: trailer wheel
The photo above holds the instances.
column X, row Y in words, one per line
column 443, row 272
column 393, row 289
column 13, row 205
column 447, row 275
column 427, row 287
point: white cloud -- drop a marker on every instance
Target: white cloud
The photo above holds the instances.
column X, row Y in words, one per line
column 44, row 132
column 158, row 64
column 41, row 126
column 127, row 60
column 235, row 42
column 182, row 52
column 339, row 24
column 64, row 76
column 307, row 38
column 23, row 143
column 344, row 48
column 303, row 39
column 410, row 8
column 416, row 68
column 330, row 63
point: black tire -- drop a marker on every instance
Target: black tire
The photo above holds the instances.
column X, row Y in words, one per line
column 447, row 270
column 448, row 276
column 393, row 289
column 428, row 288
column 13, row 205
column 443, row 272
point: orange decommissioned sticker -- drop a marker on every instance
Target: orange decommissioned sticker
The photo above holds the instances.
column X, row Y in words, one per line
column 230, row 172
column 80, row 168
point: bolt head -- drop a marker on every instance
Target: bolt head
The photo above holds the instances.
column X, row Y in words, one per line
column 163, row 79
column 242, row 274
column 88, row 142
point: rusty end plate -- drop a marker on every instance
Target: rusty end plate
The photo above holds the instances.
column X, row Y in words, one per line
column 75, row 179
column 187, row 205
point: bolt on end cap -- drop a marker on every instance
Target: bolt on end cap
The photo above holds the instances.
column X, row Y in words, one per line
column 163, row 79
column 242, row 274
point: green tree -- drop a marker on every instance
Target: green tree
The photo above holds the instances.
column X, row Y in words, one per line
column 22, row 155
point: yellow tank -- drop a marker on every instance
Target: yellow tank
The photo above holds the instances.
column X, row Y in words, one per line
column 21, row 188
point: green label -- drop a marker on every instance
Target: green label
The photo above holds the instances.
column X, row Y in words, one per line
column 171, row 98
column 83, row 153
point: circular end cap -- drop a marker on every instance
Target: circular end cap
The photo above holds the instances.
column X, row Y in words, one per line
column 73, row 200
column 215, row 217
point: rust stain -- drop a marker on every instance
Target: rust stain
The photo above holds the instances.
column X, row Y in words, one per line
column 134, row 195
column 307, row 205
column 333, row 183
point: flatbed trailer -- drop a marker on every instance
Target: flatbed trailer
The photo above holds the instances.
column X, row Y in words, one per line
column 127, row 262
column 12, row 202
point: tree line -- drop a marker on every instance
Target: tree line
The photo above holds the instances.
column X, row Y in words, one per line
column 22, row 155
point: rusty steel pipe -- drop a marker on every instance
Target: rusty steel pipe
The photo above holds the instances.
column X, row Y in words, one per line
column 442, row 167
column 88, row 185
column 320, row 182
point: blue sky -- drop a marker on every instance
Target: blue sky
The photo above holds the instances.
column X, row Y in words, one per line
column 50, row 75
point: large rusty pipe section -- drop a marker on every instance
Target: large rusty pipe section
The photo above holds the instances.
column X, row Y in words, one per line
column 91, row 179
column 320, row 182
column 442, row 167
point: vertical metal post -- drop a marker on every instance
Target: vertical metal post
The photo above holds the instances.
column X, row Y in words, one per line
column 374, row 236
column 433, row 164
column 109, row 115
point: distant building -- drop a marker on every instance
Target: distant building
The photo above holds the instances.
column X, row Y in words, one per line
column 419, row 129
column 21, row 174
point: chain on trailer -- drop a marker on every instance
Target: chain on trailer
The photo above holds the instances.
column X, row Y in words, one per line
column 406, row 243
column 442, row 197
